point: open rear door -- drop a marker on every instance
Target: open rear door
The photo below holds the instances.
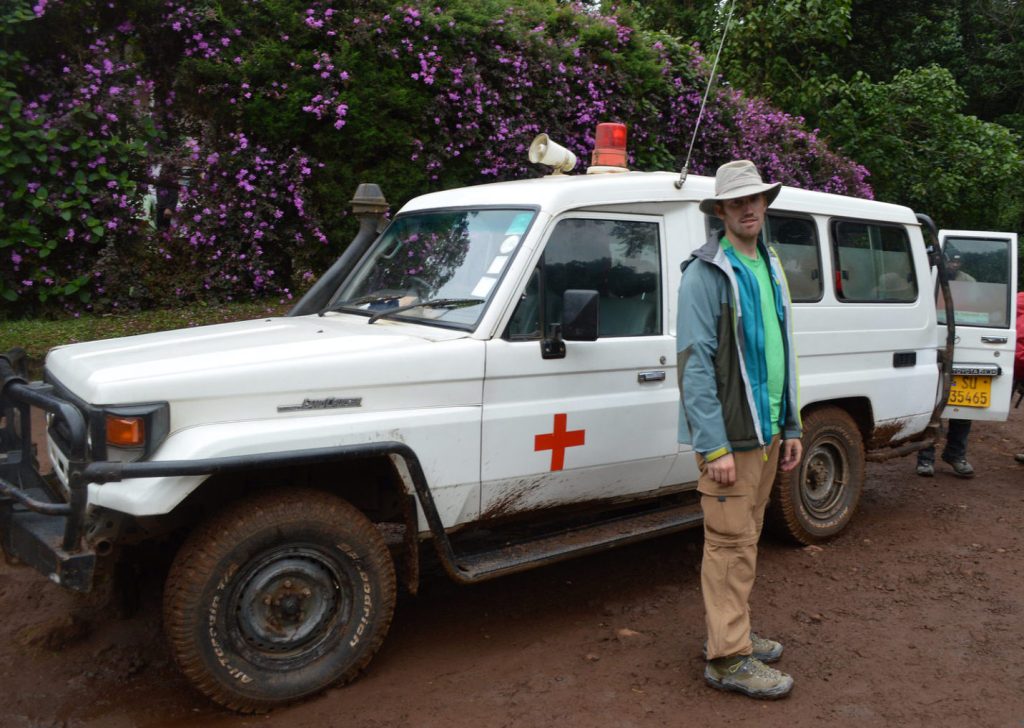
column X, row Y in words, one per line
column 982, row 271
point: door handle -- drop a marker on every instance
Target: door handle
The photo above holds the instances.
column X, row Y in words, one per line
column 994, row 339
column 655, row 376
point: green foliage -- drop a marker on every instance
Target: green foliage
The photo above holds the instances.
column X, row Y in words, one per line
column 37, row 336
column 261, row 118
column 981, row 42
column 924, row 153
column 904, row 88
column 42, row 217
column 775, row 49
column 63, row 169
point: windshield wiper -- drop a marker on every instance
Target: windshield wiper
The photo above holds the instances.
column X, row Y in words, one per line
column 372, row 298
column 432, row 303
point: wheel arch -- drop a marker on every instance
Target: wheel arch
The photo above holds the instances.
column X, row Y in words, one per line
column 859, row 409
column 377, row 483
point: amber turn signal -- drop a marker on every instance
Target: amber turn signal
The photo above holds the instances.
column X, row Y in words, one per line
column 126, row 431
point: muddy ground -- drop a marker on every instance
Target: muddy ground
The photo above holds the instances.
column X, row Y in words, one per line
column 912, row 617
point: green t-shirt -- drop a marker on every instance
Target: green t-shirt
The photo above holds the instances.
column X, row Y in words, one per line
column 774, row 352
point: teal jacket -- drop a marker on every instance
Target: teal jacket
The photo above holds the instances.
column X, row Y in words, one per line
column 719, row 404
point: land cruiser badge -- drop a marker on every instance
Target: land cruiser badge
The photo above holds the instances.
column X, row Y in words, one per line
column 326, row 403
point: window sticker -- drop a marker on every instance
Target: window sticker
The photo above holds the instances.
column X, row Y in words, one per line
column 496, row 265
column 483, row 287
column 509, row 244
column 519, row 223
column 974, row 318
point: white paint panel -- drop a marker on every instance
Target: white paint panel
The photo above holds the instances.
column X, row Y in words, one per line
column 447, row 441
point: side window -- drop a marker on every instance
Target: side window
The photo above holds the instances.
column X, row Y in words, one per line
column 525, row 321
column 619, row 259
column 795, row 240
column 978, row 272
column 873, row 263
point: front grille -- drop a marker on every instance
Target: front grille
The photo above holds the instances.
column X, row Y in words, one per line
column 59, row 461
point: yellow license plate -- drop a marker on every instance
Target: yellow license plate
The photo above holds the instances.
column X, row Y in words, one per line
column 970, row 391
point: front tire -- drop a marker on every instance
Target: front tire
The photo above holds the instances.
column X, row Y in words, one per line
column 277, row 598
column 817, row 500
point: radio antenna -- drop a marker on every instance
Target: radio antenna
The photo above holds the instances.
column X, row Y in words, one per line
column 700, row 115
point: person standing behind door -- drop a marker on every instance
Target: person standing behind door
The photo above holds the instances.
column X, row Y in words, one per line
column 739, row 411
column 955, row 450
column 1018, row 358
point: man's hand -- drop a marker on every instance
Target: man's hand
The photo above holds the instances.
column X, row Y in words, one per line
column 792, row 451
column 723, row 470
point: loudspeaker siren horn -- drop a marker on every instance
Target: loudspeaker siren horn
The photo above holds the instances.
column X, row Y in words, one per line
column 545, row 151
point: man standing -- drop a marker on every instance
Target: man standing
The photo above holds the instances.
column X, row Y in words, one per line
column 738, row 385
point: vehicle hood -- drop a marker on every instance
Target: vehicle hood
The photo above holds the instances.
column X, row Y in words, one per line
column 306, row 356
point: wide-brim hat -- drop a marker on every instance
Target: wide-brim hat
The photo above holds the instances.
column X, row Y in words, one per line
column 738, row 179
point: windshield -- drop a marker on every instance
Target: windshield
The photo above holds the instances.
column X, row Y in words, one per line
column 428, row 257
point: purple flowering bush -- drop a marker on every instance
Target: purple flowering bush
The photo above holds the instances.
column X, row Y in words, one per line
column 265, row 116
column 88, row 131
column 73, row 136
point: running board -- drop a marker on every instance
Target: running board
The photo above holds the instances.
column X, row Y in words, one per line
column 574, row 542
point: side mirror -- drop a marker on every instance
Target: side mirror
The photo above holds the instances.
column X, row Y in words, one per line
column 580, row 315
column 579, row 323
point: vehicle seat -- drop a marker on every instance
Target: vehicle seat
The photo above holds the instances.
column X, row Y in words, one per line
column 629, row 308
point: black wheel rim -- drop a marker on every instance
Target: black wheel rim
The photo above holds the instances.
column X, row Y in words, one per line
column 287, row 608
column 824, row 476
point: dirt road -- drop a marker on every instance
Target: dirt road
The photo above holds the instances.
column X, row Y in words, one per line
column 912, row 617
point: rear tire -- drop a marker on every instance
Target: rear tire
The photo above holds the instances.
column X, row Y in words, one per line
column 817, row 500
column 278, row 597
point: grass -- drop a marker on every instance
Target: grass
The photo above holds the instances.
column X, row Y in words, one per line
column 38, row 336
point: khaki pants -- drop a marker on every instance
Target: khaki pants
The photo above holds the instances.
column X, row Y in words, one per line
column 733, row 516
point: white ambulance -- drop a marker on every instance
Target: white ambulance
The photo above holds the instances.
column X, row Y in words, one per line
column 493, row 375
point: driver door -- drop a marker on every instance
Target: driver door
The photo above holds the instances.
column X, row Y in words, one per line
column 599, row 423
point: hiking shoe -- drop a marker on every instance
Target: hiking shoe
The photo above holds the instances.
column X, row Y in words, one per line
column 765, row 650
column 1019, row 457
column 925, row 470
column 961, row 468
column 747, row 675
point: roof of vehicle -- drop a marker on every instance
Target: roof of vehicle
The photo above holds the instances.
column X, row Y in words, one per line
column 561, row 192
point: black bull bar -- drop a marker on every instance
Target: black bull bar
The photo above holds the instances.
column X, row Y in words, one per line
column 38, row 525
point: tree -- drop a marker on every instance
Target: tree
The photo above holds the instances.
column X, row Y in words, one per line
column 904, row 88
column 271, row 113
column 922, row 152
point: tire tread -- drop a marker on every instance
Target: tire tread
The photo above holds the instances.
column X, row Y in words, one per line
column 783, row 517
column 211, row 542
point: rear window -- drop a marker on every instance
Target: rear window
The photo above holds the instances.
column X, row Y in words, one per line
column 873, row 263
column 979, row 281
column 795, row 241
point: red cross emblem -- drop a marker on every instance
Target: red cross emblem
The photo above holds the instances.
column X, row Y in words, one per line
column 558, row 441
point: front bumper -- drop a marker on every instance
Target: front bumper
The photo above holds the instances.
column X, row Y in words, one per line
column 38, row 525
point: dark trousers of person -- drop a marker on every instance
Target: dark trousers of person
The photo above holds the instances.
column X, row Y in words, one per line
column 956, row 443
